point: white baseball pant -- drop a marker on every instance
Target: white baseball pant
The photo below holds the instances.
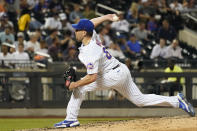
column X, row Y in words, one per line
column 120, row 80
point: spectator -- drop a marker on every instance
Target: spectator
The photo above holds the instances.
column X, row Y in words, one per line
column 175, row 5
column 54, row 50
column 163, row 7
column 75, row 14
column 123, row 45
column 122, row 25
column 2, row 24
column 56, row 5
column 66, row 25
column 174, row 50
column 164, row 12
column 172, row 83
column 147, row 9
column 20, row 56
column 11, row 12
column 41, row 56
column 66, row 42
column 40, row 6
column 12, row 49
column 177, row 20
column 43, row 47
column 166, row 31
column 34, row 24
column 68, row 8
column 115, row 51
column 38, row 34
column 72, row 54
column 172, row 67
column 185, row 5
column 159, row 50
column 152, row 25
column 88, row 12
column 39, row 10
column 32, row 45
column 31, row 3
column 132, row 15
column 7, row 35
column 192, row 4
column 140, row 32
column 53, row 22
column 5, row 22
column 105, row 38
column 20, row 40
column 24, row 19
column 2, row 6
column 5, row 56
column 24, row 6
column 53, row 35
column 134, row 46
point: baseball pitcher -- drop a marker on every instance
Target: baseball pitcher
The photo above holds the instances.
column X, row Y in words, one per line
column 106, row 72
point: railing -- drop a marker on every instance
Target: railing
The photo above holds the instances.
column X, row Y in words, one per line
column 191, row 22
column 145, row 63
column 191, row 17
column 100, row 7
column 46, row 89
column 184, row 63
column 17, row 64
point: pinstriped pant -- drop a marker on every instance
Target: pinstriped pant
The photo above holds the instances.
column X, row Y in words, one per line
column 120, row 80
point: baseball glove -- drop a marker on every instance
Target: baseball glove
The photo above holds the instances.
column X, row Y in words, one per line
column 69, row 76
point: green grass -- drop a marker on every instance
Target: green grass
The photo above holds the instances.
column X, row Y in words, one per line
column 10, row 124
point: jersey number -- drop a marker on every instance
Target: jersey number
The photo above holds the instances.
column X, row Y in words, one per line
column 107, row 53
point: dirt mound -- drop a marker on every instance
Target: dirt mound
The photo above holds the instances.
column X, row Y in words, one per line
column 180, row 123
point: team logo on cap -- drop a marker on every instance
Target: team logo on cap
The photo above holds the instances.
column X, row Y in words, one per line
column 90, row 66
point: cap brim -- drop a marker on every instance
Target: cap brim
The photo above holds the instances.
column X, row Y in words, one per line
column 75, row 26
column 9, row 45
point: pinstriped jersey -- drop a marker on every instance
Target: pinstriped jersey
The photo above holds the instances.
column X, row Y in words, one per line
column 95, row 56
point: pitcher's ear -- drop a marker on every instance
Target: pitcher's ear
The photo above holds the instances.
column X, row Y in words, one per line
column 85, row 33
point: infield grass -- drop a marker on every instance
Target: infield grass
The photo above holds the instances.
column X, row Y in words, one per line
column 12, row 124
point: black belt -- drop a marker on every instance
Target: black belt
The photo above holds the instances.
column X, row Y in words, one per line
column 116, row 67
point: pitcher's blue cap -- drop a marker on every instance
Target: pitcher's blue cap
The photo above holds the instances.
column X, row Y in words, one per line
column 84, row 24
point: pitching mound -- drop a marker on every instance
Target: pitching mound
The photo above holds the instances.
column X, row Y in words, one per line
column 180, row 123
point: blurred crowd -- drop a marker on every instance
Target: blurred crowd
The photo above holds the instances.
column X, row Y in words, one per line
column 40, row 30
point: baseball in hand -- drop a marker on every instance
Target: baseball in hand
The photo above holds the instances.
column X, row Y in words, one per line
column 115, row 18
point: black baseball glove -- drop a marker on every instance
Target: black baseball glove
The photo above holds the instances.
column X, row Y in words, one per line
column 69, row 76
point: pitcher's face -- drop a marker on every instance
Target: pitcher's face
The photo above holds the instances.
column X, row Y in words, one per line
column 80, row 34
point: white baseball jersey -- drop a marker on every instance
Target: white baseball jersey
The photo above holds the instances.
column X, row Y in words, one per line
column 98, row 60
column 95, row 57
